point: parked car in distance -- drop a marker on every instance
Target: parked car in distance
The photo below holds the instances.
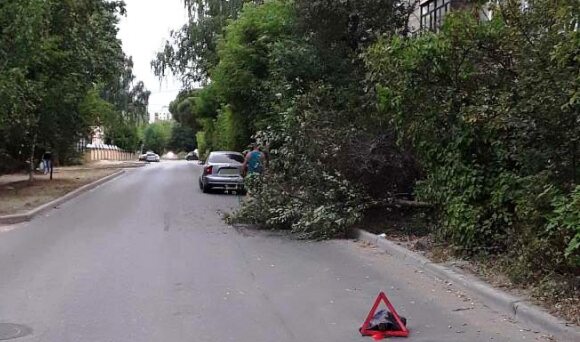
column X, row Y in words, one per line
column 152, row 157
column 143, row 156
column 223, row 170
column 191, row 156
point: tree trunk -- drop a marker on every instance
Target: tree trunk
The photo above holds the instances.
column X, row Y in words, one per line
column 32, row 150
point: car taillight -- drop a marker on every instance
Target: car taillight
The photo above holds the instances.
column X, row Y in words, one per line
column 208, row 170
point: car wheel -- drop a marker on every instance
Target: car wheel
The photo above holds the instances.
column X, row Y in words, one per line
column 205, row 188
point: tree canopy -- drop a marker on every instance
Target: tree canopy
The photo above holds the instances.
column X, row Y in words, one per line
column 57, row 59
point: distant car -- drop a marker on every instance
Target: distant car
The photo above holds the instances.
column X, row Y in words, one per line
column 223, row 170
column 191, row 156
column 143, row 156
column 152, row 157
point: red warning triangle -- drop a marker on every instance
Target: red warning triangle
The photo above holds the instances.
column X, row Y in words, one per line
column 378, row 335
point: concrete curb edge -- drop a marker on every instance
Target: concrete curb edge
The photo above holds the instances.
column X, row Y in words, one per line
column 19, row 218
column 515, row 307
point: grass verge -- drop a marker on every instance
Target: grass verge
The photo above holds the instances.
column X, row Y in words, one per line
column 18, row 195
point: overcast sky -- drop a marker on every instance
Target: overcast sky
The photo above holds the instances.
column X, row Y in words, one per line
column 143, row 32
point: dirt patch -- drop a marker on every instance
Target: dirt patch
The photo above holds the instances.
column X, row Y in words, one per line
column 17, row 195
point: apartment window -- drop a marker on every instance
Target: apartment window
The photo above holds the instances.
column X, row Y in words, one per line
column 433, row 12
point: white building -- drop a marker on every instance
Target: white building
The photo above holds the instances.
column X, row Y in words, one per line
column 429, row 14
column 164, row 116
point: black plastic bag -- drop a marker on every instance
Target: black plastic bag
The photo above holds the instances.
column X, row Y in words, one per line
column 384, row 320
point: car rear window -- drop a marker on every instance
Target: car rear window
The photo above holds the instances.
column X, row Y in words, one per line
column 225, row 158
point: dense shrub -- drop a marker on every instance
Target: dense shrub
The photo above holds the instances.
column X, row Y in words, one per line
column 491, row 111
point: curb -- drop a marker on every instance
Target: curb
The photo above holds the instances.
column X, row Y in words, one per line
column 19, row 218
column 517, row 308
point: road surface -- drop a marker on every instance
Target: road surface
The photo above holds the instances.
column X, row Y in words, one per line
column 147, row 257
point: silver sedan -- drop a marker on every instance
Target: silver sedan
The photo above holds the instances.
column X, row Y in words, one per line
column 223, row 170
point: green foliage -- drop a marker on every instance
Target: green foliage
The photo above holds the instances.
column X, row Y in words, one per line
column 225, row 130
column 202, row 145
column 182, row 139
column 191, row 51
column 241, row 77
column 52, row 55
column 125, row 136
column 156, row 137
column 340, row 30
column 237, row 102
column 327, row 207
column 129, row 98
column 129, row 101
column 444, row 80
column 565, row 220
column 118, row 130
column 490, row 109
column 183, row 109
column 317, row 183
column 198, row 111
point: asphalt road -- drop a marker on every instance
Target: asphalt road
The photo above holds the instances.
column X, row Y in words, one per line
column 147, row 257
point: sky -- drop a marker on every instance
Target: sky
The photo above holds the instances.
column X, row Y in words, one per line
column 143, row 32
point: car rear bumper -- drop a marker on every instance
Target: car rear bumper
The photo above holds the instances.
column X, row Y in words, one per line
column 225, row 182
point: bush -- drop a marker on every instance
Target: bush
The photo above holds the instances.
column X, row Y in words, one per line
column 492, row 127
column 564, row 224
column 320, row 179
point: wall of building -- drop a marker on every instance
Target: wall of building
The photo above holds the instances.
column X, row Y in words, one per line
column 415, row 18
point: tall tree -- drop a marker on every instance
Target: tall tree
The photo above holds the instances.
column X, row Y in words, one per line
column 156, row 136
column 131, row 98
column 53, row 52
column 191, row 52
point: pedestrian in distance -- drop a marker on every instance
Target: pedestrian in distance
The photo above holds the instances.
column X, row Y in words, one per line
column 47, row 160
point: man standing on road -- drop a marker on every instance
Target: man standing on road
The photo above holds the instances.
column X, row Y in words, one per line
column 254, row 162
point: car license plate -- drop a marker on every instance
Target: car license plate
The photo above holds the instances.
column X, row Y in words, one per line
column 229, row 172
